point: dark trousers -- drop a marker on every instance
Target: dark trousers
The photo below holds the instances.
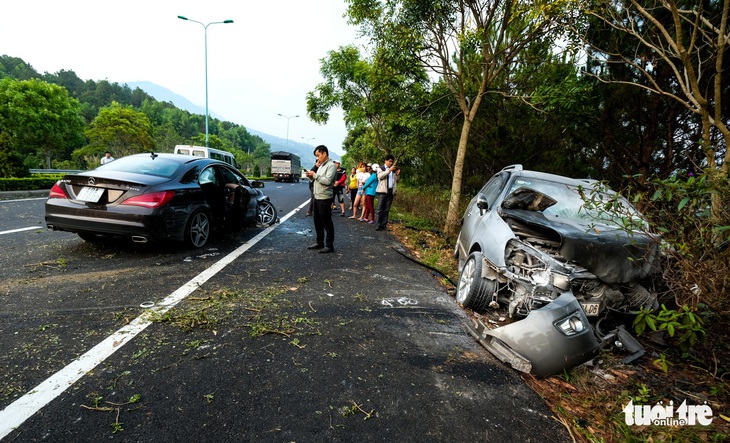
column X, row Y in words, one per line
column 323, row 222
column 310, row 209
column 339, row 195
column 384, row 202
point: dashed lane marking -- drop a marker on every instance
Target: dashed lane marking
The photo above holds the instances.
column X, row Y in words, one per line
column 26, row 406
column 12, row 231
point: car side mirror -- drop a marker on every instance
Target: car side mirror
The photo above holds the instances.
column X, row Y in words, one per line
column 482, row 203
column 257, row 184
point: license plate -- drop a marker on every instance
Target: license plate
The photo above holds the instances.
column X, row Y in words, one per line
column 591, row 309
column 89, row 194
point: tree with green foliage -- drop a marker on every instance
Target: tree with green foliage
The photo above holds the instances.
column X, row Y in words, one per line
column 16, row 68
column 238, row 137
column 11, row 163
column 676, row 50
column 472, row 45
column 373, row 95
column 121, row 130
column 166, row 138
column 262, row 159
column 168, row 125
column 67, row 79
column 40, row 118
column 213, row 141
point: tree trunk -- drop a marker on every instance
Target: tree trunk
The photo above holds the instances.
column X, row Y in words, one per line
column 452, row 217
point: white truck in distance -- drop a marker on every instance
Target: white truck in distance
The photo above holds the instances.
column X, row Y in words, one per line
column 285, row 166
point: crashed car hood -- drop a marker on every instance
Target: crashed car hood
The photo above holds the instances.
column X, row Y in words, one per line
column 608, row 252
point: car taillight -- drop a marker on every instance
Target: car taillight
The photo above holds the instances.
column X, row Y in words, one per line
column 56, row 192
column 152, row 200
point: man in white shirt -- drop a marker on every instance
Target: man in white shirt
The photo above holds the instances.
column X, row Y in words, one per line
column 107, row 158
column 387, row 183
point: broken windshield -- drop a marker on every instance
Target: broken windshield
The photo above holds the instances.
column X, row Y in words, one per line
column 562, row 200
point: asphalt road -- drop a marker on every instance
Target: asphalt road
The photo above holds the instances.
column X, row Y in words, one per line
column 253, row 338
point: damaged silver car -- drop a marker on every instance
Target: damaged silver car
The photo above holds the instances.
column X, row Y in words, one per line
column 552, row 267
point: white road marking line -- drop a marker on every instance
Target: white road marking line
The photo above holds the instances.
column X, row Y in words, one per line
column 24, row 199
column 26, row 406
column 12, row 231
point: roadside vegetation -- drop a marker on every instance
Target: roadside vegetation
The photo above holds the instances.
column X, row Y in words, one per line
column 83, row 119
column 687, row 341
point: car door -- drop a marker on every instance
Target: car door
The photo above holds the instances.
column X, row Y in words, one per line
column 210, row 182
column 476, row 222
column 240, row 194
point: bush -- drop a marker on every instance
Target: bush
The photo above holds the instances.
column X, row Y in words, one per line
column 29, row 183
column 430, row 204
column 692, row 216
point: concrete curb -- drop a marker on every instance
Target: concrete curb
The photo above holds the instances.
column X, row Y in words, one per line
column 15, row 195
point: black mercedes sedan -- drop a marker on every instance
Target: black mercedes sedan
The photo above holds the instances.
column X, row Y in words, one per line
column 157, row 197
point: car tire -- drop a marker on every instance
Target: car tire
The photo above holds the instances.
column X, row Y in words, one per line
column 197, row 230
column 472, row 290
column 265, row 214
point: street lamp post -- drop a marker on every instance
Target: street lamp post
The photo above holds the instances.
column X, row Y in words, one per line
column 205, row 29
column 307, row 139
column 287, row 117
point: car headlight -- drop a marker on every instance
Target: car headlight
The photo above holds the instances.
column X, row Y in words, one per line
column 571, row 325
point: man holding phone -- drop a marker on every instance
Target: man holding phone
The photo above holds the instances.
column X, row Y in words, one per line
column 323, row 182
column 387, row 180
column 310, row 208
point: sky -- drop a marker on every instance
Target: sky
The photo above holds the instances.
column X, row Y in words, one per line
column 261, row 65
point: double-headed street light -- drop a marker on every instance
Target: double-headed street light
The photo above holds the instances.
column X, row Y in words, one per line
column 205, row 28
column 287, row 117
column 307, row 139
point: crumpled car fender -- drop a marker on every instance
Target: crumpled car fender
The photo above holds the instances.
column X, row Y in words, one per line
column 546, row 342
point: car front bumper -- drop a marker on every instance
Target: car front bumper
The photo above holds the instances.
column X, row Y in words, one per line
column 536, row 344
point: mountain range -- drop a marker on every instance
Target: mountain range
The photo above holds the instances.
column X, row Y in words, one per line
column 160, row 93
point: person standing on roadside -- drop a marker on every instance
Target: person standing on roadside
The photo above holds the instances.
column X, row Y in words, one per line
column 369, row 188
column 323, row 180
column 352, row 187
column 387, row 180
column 360, row 197
column 340, row 178
column 107, row 158
column 310, row 208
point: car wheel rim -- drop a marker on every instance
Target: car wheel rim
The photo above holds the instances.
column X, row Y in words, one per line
column 266, row 214
column 465, row 280
column 199, row 230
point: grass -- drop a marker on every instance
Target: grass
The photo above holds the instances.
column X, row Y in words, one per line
column 589, row 399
